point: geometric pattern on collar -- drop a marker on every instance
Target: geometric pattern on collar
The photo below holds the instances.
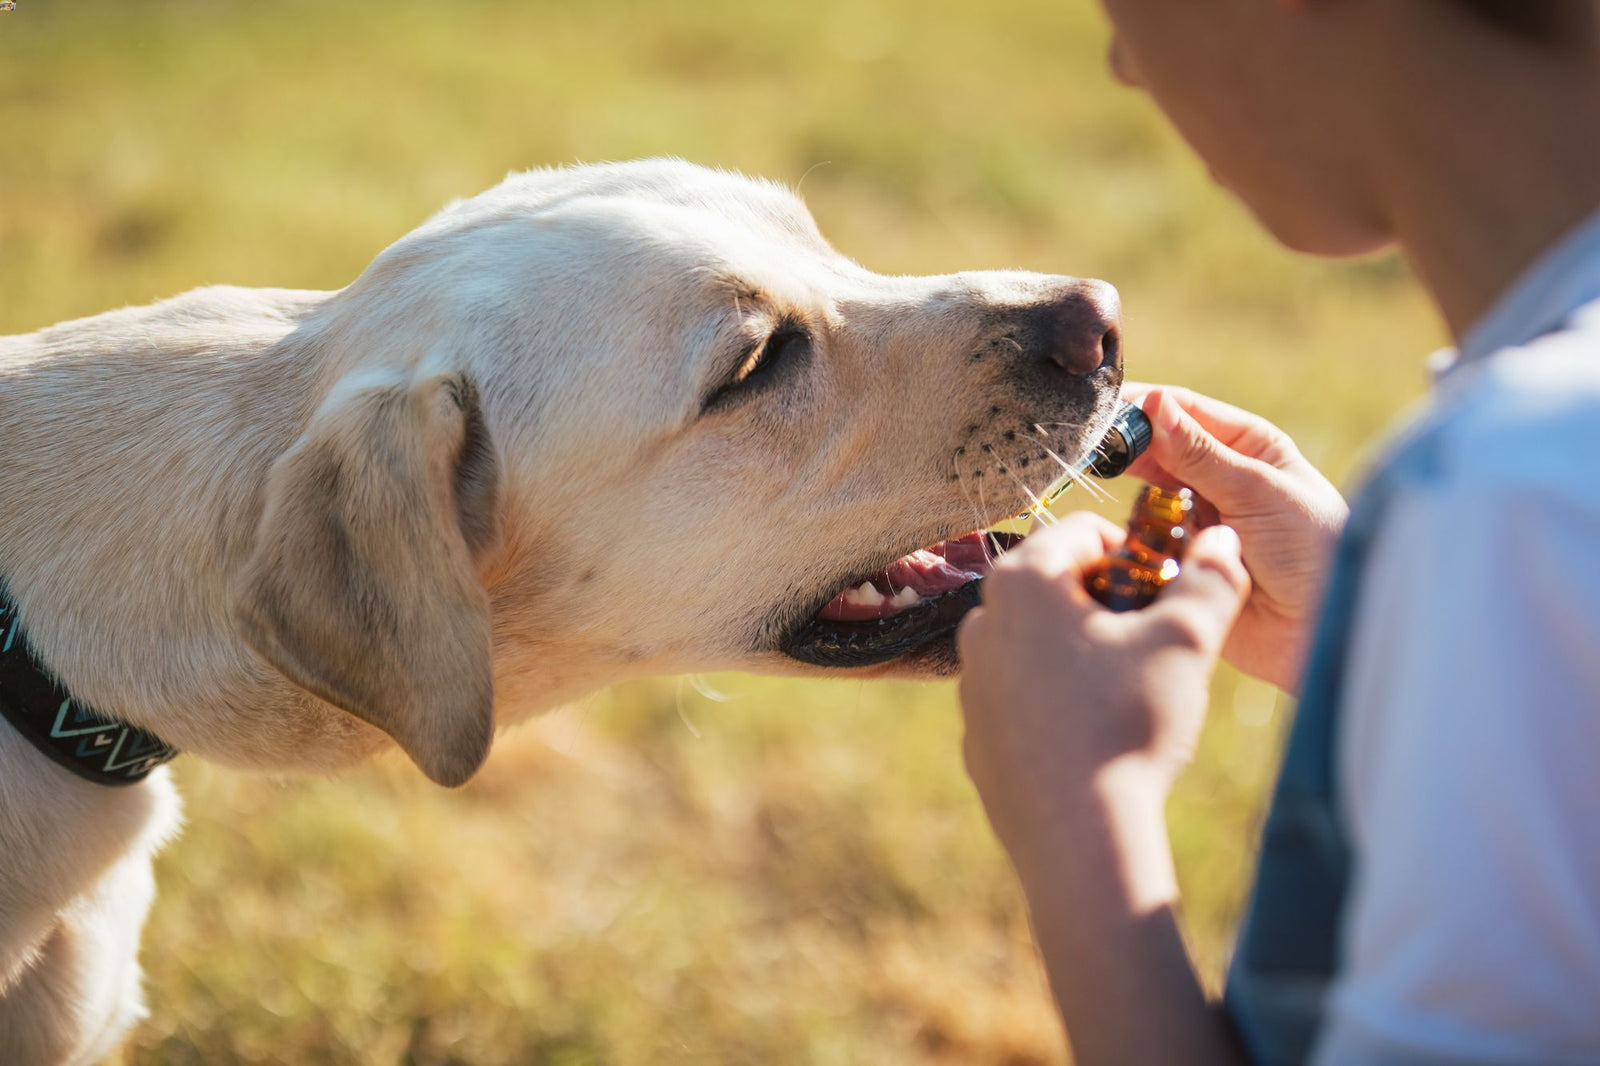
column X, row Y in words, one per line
column 92, row 745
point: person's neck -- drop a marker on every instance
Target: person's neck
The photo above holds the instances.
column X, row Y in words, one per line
column 1488, row 167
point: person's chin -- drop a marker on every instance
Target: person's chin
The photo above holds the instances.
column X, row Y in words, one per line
column 1322, row 234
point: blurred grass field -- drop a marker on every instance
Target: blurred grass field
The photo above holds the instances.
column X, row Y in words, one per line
column 797, row 873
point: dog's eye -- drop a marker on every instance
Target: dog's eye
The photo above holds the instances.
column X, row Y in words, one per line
column 781, row 347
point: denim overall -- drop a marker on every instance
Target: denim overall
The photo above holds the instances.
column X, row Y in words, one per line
column 1288, row 947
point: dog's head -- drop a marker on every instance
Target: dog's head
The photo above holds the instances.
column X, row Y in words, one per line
column 641, row 418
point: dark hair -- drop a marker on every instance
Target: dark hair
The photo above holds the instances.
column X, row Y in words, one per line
column 1535, row 20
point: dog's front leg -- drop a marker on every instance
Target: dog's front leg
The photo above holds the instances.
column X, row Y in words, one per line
column 75, row 887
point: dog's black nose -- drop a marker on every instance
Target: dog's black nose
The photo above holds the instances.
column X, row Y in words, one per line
column 1086, row 329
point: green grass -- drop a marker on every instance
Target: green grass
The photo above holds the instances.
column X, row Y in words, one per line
column 800, row 874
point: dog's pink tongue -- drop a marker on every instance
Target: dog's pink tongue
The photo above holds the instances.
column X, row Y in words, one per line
column 973, row 552
column 908, row 580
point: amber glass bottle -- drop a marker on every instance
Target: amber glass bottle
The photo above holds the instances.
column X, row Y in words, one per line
column 1158, row 533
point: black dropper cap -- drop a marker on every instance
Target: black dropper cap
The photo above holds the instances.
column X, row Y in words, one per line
column 1130, row 434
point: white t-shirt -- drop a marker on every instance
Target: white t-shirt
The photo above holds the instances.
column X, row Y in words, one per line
column 1468, row 755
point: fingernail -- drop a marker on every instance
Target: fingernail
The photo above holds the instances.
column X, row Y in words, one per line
column 1224, row 538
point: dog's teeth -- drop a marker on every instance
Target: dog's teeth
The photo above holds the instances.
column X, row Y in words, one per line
column 906, row 597
column 864, row 595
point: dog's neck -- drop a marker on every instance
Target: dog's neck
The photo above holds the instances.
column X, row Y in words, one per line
column 95, row 747
column 132, row 487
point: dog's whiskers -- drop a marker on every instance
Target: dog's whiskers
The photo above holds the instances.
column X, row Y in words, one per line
column 683, row 715
column 988, row 545
column 1074, row 474
column 699, row 683
column 1039, row 512
column 1075, row 477
column 983, row 505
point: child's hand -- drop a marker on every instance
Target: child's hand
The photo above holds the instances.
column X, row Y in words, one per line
column 1250, row 475
column 1063, row 696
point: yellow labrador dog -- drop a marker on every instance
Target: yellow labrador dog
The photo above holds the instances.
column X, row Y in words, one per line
column 592, row 424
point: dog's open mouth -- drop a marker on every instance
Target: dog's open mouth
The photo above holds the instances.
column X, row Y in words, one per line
column 917, row 599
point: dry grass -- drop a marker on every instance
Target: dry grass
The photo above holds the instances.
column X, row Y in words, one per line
column 800, row 874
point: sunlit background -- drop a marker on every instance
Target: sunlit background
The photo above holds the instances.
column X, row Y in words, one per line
column 728, row 870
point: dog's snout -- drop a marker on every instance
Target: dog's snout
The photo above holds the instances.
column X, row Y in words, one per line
column 1086, row 329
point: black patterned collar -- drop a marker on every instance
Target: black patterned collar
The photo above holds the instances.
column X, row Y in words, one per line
column 95, row 747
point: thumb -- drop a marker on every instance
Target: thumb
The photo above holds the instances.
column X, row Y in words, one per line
column 1068, row 547
column 1210, row 590
column 1186, row 450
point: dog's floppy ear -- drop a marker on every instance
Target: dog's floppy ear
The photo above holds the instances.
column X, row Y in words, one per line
column 362, row 586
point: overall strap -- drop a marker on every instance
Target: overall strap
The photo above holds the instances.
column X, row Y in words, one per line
column 1288, row 947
